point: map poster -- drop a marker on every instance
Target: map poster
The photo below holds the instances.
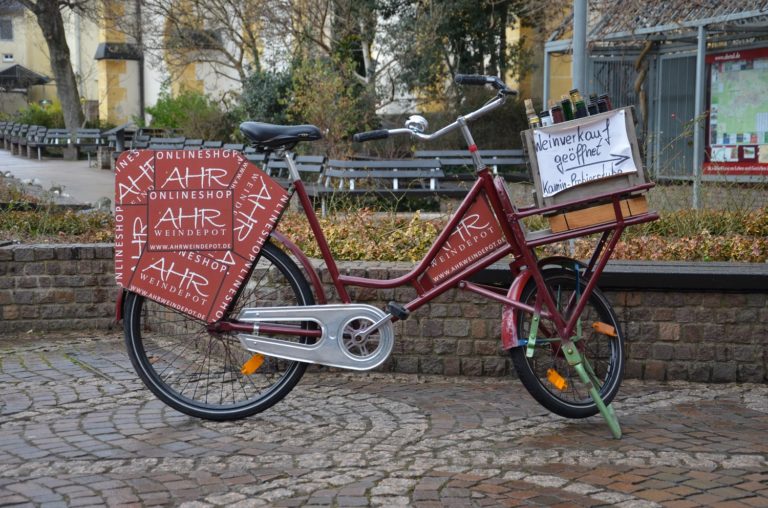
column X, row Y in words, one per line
column 188, row 224
column 738, row 114
column 576, row 153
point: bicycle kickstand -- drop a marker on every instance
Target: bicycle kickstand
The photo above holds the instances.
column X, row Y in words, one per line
column 587, row 376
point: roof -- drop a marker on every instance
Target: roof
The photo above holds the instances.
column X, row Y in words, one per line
column 11, row 7
column 17, row 76
column 633, row 20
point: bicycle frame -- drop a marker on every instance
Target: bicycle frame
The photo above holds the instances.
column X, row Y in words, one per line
column 294, row 330
column 524, row 264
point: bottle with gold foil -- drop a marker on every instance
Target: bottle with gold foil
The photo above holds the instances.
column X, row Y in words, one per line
column 579, row 107
column 530, row 112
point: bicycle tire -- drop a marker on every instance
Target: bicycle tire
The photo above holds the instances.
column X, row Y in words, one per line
column 604, row 353
column 198, row 372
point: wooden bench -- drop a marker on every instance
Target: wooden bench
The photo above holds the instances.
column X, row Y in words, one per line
column 166, row 143
column 193, row 144
column 9, row 127
column 21, row 142
column 115, row 141
column 87, row 141
column 36, row 141
column 310, row 166
column 379, row 179
column 457, row 164
column 18, row 133
column 57, row 138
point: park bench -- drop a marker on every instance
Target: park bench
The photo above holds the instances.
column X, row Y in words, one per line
column 193, row 144
column 159, row 143
column 9, row 127
column 36, row 141
column 379, row 179
column 57, row 138
column 21, row 142
column 457, row 164
column 9, row 130
column 140, row 142
column 87, row 141
column 18, row 133
column 310, row 166
column 115, row 141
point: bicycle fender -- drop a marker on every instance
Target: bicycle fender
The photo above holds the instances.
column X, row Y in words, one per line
column 294, row 249
column 509, row 338
column 119, row 306
column 563, row 262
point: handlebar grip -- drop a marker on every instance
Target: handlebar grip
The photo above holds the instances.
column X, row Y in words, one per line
column 369, row 135
column 472, row 79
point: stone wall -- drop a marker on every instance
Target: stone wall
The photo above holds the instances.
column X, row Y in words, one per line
column 56, row 287
column 690, row 335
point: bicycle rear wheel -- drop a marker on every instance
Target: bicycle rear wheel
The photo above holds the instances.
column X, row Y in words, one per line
column 201, row 373
column 547, row 375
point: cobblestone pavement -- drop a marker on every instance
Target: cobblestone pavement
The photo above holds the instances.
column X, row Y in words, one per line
column 77, row 428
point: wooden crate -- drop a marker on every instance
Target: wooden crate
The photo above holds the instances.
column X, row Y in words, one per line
column 591, row 187
column 599, row 214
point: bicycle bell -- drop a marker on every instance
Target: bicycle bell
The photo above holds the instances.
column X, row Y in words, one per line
column 417, row 123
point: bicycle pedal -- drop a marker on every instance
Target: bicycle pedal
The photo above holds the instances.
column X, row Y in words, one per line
column 397, row 310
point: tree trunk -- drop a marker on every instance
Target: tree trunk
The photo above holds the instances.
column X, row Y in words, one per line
column 52, row 25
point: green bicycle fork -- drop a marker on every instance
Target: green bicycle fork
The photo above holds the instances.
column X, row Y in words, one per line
column 587, row 376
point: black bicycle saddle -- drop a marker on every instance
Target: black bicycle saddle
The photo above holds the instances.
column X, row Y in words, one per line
column 270, row 136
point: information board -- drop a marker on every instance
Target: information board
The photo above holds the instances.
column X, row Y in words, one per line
column 579, row 152
column 189, row 223
column 738, row 113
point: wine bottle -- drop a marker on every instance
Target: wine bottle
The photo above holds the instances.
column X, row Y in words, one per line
column 579, row 108
column 530, row 112
column 565, row 103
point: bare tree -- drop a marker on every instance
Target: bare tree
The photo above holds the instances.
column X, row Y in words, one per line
column 51, row 23
column 228, row 34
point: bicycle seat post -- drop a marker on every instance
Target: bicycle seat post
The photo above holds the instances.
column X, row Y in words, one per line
column 293, row 170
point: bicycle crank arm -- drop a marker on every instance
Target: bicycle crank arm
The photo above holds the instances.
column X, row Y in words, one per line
column 340, row 343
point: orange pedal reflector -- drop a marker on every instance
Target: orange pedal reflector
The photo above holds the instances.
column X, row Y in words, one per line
column 557, row 380
column 252, row 365
column 604, row 328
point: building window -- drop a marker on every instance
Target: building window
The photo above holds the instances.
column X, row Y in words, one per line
column 6, row 29
column 7, row 57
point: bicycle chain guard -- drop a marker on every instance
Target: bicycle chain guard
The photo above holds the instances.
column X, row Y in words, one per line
column 340, row 345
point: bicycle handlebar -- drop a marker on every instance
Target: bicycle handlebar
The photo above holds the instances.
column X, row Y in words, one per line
column 461, row 79
column 472, row 79
column 369, row 135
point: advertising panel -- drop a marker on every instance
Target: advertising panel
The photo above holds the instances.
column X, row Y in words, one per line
column 188, row 225
column 475, row 236
column 738, row 113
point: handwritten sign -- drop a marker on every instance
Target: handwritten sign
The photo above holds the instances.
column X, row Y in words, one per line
column 188, row 225
column 573, row 154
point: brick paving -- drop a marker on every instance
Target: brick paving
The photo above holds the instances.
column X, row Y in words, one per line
column 78, row 429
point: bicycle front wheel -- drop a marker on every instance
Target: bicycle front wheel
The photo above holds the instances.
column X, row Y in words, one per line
column 201, row 373
column 547, row 375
